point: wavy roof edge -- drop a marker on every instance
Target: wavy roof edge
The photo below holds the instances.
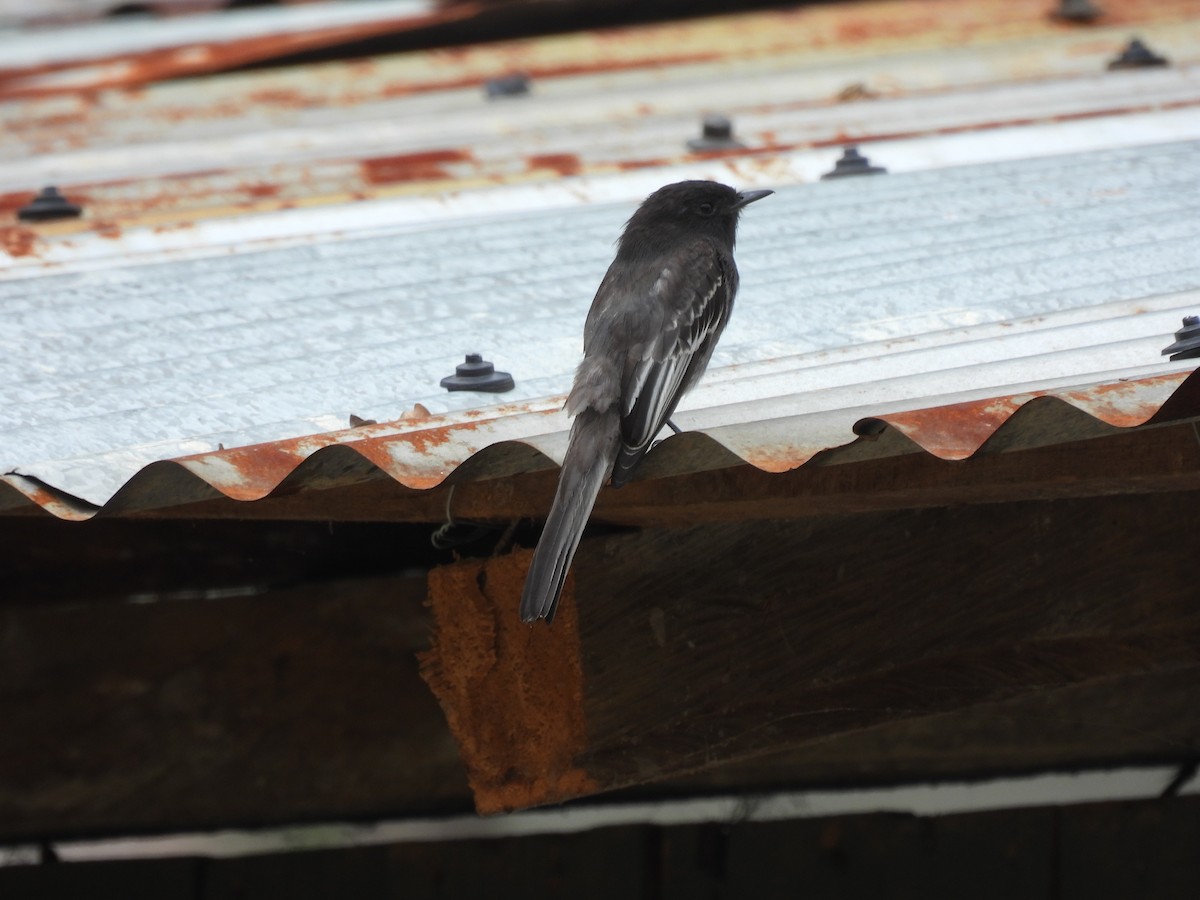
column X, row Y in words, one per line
column 423, row 454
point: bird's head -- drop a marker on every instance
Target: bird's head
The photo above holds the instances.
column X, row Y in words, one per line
column 689, row 208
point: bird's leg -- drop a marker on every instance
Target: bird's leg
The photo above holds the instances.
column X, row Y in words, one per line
column 675, row 428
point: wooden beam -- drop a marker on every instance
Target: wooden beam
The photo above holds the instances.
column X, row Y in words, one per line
column 1130, row 720
column 295, row 705
column 703, row 646
column 174, row 675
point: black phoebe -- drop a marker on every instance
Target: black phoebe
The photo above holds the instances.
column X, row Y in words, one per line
column 649, row 335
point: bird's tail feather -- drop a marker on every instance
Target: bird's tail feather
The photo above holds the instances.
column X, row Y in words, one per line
column 589, row 458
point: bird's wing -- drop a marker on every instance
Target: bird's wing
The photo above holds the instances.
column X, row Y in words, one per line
column 693, row 292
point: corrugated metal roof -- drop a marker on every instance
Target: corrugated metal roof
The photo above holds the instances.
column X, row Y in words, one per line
column 193, row 307
column 90, row 57
column 128, row 53
column 176, row 22
column 864, row 299
column 171, row 154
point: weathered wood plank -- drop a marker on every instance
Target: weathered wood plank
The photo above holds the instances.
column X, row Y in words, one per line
column 50, row 561
column 292, row 706
column 707, row 645
column 303, row 702
column 1141, row 718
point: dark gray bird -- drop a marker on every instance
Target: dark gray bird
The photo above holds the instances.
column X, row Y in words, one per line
column 650, row 333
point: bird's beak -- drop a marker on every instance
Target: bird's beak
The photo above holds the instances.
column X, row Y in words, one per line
column 745, row 198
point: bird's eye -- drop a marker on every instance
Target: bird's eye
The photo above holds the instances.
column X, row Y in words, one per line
column 705, row 209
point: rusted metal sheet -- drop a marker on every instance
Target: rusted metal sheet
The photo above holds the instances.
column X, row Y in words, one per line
column 100, row 56
column 959, row 430
column 818, row 32
column 253, row 219
column 158, row 183
column 165, row 156
column 15, row 13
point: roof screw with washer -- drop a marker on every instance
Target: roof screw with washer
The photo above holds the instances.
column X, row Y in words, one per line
column 477, row 374
column 853, row 163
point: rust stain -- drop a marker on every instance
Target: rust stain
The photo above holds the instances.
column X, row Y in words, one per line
column 427, row 438
column 1127, row 404
column 18, row 241
column 10, row 203
column 426, row 165
column 173, row 226
column 778, row 459
column 854, row 32
column 38, row 123
column 724, row 153
column 955, row 431
column 256, row 470
column 958, row 430
column 863, row 24
column 48, row 498
column 878, row 25
column 150, row 66
column 248, row 473
column 629, row 165
column 197, row 59
column 262, row 190
column 562, row 163
column 407, row 89
column 512, row 694
column 289, row 98
column 610, row 65
column 107, row 229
